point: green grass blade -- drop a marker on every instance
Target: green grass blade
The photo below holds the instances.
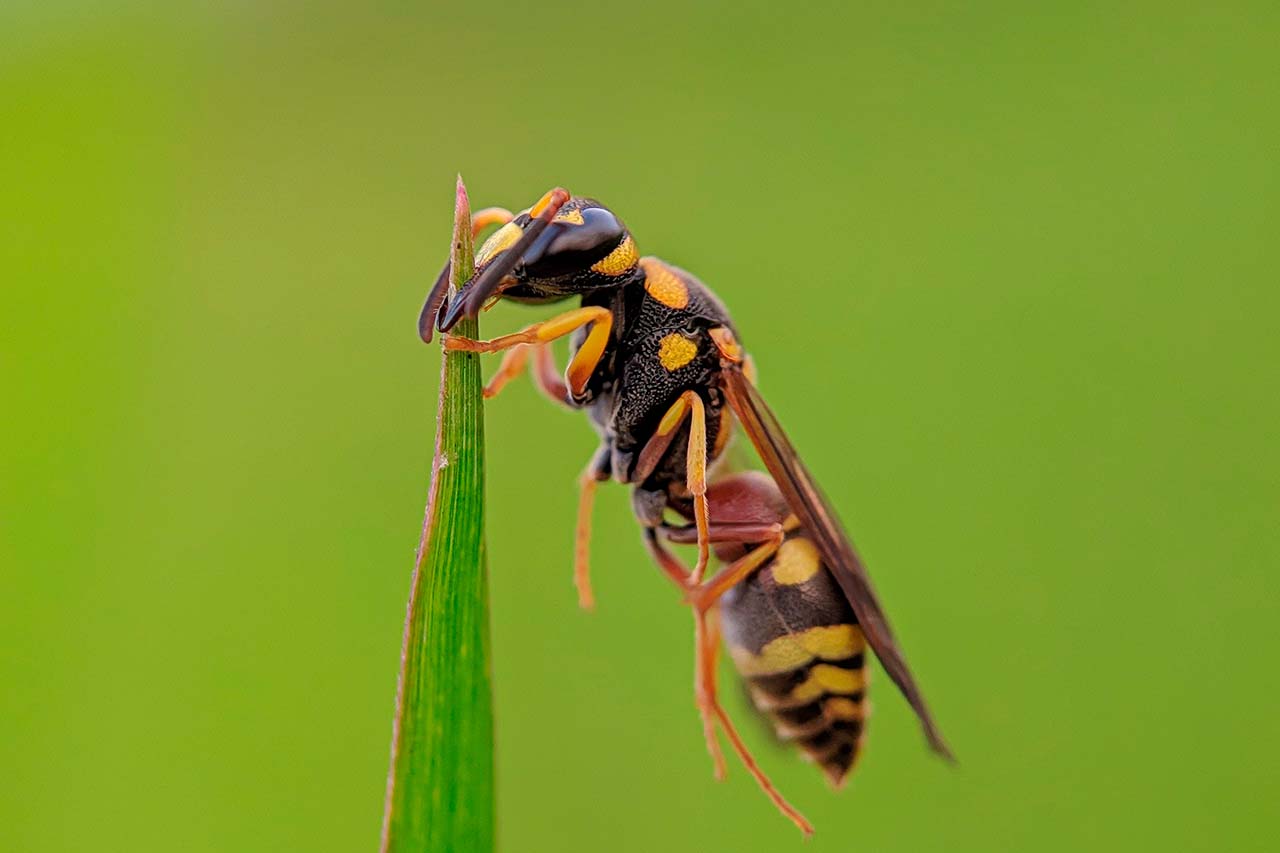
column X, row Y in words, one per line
column 440, row 795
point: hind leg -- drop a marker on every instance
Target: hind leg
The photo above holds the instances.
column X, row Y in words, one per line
column 676, row 570
column 706, row 653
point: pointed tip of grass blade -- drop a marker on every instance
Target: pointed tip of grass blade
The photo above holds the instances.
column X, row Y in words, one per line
column 463, row 249
column 461, row 211
column 440, row 783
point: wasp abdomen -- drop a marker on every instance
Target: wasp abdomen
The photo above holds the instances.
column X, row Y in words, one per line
column 795, row 639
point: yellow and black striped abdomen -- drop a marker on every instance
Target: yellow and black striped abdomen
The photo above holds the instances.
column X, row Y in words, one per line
column 794, row 638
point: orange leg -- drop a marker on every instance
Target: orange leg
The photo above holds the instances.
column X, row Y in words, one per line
column 587, row 483
column 482, row 219
column 696, row 477
column 512, row 366
column 744, row 532
column 701, row 648
column 689, row 403
column 706, row 644
column 707, row 693
column 584, row 361
column 544, row 373
column 582, row 538
column 547, row 377
column 703, row 597
column 672, row 567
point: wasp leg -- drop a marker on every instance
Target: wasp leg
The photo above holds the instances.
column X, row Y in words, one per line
column 689, row 403
column 707, row 645
column 584, row 361
column 707, row 632
column 705, row 595
column 512, row 365
column 482, row 219
column 670, row 565
column 675, row 570
column 724, row 532
column 705, row 653
column 696, row 477
column 544, row 373
column 547, row 378
column 651, row 454
column 591, row 477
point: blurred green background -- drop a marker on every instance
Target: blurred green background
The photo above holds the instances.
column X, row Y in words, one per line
column 1010, row 277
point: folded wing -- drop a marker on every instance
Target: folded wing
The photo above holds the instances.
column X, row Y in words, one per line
column 821, row 523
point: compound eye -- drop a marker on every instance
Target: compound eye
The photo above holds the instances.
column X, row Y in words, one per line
column 575, row 240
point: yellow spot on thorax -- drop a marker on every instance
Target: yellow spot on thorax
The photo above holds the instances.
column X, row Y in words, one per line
column 676, row 350
column 663, row 284
column 503, row 238
column 797, row 561
column 619, row 260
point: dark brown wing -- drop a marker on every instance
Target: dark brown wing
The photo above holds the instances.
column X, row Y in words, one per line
column 821, row 523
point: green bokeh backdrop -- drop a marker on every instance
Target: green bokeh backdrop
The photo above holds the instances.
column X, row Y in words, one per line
column 1009, row 272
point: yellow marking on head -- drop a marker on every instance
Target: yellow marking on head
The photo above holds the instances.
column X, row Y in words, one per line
column 785, row 653
column 503, row 238
column 676, row 350
column 797, row 561
column 842, row 708
column 573, row 217
column 664, row 285
column 618, row 261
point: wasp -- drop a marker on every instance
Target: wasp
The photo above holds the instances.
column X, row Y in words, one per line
column 656, row 362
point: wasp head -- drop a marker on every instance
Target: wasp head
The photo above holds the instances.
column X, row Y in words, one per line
column 563, row 246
